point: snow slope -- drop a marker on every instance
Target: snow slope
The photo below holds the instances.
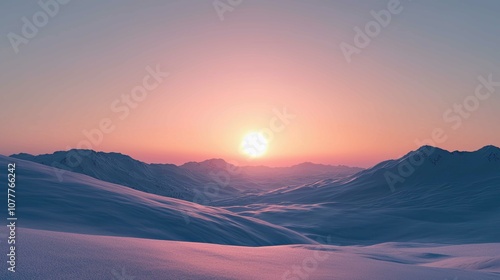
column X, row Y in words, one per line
column 452, row 197
column 54, row 255
column 163, row 179
column 442, row 222
column 185, row 181
column 86, row 205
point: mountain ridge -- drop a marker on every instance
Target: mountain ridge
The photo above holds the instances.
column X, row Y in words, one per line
column 211, row 161
column 184, row 181
column 450, row 197
column 83, row 204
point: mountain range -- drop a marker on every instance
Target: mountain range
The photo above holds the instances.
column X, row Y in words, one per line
column 183, row 181
column 449, row 197
column 391, row 217
column 437, row 196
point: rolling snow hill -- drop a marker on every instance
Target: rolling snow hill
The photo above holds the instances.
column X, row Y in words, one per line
column 84, row 204
column 162, row 179
column 451, row 197
column 185, row 181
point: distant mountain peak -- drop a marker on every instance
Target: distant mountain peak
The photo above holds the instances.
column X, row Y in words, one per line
column 214, row 163
column 21, row 155
column 307, row 164
column 490, row 149
column 81, row 152
column 428, row 150
column 491, row 152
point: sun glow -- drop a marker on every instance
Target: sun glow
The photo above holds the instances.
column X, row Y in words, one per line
column 254, row 144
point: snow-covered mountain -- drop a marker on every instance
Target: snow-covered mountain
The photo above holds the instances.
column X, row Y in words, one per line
column 162, row 179
column 256, row 179
column 84, row 204
column 271, row 178
column 105, row 230
column 185, row 181
column 428, row 195
column 450, row 197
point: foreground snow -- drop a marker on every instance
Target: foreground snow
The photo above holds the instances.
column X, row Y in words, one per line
column 56, row 255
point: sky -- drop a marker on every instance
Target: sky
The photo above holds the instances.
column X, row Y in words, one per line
column 178, row 81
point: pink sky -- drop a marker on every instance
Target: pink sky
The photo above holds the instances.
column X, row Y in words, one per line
column 227, row 77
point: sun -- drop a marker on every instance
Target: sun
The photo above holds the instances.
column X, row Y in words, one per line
column 254, row 144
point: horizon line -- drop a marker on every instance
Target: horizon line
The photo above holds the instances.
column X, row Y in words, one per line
column 260, row 165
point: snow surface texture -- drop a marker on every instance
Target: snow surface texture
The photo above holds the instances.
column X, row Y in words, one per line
column 85, row 228
column 54, row 255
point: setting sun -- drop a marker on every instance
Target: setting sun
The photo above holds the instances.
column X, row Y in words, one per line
column 254, row 144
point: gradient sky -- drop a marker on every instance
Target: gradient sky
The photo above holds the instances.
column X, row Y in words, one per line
column 226, row 77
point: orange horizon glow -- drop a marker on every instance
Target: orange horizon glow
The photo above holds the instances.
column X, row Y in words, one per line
column 226, row 79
